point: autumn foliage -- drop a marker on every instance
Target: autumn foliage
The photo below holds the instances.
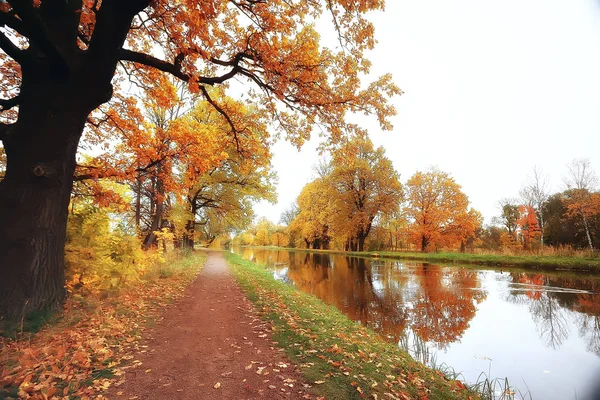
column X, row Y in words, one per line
column 251, row 67
column 359, row 186
column 439, row 211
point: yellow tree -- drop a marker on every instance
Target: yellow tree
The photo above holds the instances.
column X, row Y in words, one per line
column 313, row 220
column 147, row 149
column 225, row 192
column 438, row 210
column 365, row 187
column 58, row 62
column 264, row 232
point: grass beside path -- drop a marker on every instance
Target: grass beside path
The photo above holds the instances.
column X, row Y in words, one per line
column 550, row 263
column 84, row 348
column 342, row 359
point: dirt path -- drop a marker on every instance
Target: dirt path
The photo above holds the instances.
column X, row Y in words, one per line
column 210, row 345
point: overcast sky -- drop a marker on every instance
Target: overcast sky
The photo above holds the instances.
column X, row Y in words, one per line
column 492, row 88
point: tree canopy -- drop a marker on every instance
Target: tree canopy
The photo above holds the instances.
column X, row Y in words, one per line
column 61, row 60
column 439, row 210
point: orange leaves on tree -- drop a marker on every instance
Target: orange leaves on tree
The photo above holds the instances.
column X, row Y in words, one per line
column 528, row 224
column 438, row 210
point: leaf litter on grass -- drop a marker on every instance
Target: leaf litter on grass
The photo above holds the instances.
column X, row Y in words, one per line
column 90, row 348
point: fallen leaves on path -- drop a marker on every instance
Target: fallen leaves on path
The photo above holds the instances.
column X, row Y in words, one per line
column 89, row 349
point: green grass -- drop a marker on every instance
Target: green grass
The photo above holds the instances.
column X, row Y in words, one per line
column 347, row 360
column 31, row 324
column 579, row 264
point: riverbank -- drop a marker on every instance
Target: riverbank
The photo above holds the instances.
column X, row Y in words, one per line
column 342, row 359
column 546, row 263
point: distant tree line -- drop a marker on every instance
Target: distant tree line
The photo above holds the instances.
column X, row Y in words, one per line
column 357, row 202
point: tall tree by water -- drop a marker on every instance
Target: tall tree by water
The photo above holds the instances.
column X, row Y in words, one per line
column 366, row 186
column 438, row 210
column 582, row 181
column 315, row 213
column 536, row 193
column 59, row 59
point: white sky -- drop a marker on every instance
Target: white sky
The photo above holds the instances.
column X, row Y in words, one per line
column 492, row 88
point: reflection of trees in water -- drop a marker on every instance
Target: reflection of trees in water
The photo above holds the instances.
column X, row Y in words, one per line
column 549, row 308
column 347, row 283
column 438, row 303
column 446, row 303
column 415, row 346
column 550, row 320
column 588, row 321
column 429, row 303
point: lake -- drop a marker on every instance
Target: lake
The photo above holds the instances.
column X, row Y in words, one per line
column 541, row 330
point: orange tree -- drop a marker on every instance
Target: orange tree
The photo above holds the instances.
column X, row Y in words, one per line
column 59, row 58
column 438, row 210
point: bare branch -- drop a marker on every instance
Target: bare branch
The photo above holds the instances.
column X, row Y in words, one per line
column 175, row 68
column 145, row 59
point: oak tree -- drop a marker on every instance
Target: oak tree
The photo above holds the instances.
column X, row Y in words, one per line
column 58, row 61
column 438, row 210
column 366, row 186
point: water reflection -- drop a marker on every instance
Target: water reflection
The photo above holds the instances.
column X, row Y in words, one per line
column 542, row 329
column 556, row 303
column 425, row 303
column 445, row 303
column 434, row 302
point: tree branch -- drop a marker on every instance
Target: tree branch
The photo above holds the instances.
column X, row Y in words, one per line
column 35, row 29
column 13, row 23
column 11, row 49
column 225, row 115
column 150, row 61
column 175, row 69
column 7, row 104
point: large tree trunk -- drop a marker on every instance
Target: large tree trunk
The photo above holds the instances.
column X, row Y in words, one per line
column 35, row 195
column 60, row 86
column 361, row 243
column 151, row 240
column 424, row 243
column 190, row 228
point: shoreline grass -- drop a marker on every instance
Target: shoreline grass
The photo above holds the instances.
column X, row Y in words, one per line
column 338, row 357
column 546, row 263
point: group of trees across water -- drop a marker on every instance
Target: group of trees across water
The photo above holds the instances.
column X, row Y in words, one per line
column 357, row 202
